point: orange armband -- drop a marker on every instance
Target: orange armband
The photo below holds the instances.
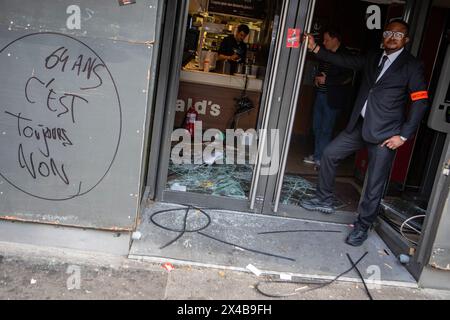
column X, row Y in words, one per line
column 419, row 95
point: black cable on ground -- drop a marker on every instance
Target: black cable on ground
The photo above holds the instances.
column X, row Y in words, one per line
column 188, row 208
column 361, row 276
column 247, row 249
column 183, row 231
column 321, row 284
column 298, row 231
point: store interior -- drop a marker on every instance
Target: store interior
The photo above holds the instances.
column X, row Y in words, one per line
column 223, row 96
column 224, row 100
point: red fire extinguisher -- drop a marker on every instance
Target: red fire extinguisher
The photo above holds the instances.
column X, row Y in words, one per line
column 191, row 118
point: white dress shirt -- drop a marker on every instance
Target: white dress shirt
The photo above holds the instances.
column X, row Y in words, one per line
column 390, row 60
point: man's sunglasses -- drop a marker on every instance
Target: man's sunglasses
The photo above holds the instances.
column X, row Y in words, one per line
column 396, row 35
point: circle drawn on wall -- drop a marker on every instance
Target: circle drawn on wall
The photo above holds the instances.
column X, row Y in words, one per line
column 60, row 116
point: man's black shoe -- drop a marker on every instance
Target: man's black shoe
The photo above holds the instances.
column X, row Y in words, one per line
column 315, row 204
column 359, row 234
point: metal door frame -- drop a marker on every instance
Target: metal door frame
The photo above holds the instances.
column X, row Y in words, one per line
column 284, row 121
column 284, row 102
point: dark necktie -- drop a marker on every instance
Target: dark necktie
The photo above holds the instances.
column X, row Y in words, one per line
column 381, row 66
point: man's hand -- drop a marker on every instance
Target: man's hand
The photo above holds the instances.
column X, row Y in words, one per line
column 393, row 143
column 311, row 42
column 234, row 57
column 320, row 79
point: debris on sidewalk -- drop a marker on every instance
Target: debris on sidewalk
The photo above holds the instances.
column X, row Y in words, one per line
column 254, row 270
column 187, row 283
column 382, row 253
column 136, row 235
column 285, row 276
column 168, row 266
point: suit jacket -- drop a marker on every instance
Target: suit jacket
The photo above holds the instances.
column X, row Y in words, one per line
column 386, row 99
column 338, row 83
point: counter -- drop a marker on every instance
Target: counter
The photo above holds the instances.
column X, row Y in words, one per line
column 214, row 97
column 221, row 80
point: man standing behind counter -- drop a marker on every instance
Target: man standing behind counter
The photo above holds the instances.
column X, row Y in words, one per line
column 233, row 48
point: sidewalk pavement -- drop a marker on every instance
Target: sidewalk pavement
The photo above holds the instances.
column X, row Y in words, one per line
column 30, row 272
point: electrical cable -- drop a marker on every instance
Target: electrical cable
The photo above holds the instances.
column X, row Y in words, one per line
column 321, row 284
column 198, row 230
column 188, row 209
column 299, row 231
column 406, row 223
column 184, row 230
column 247, row 249
column 360, row 276
column 182, row 233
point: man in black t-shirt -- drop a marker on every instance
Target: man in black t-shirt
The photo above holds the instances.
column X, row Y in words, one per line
column 233, row 48
column 333, row 85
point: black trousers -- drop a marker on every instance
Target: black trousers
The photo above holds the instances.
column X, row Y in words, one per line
column 380, row 163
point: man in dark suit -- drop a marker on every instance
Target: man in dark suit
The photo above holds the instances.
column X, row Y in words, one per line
column 378, row 121
column 333, row 84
